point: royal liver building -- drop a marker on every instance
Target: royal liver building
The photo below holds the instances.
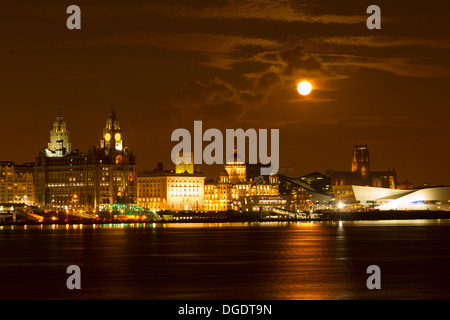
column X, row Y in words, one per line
column 69, row 180
column 59, row 144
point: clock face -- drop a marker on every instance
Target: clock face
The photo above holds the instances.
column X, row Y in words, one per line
column 117, row 136
column 107, row 137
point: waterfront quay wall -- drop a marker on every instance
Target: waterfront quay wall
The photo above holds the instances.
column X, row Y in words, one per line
column 249, row 217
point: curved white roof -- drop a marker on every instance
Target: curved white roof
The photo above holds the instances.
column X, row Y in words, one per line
column 428, row 194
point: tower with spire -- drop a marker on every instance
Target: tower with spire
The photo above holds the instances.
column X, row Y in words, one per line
column 59, row 145
column 119, row 161
column 74, row 180
column 111, row 140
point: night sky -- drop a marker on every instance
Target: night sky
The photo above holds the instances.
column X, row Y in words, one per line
column 234, row 64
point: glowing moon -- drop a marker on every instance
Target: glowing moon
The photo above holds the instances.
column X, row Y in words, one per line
column 304, row 88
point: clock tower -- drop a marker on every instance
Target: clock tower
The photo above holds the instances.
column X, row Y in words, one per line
column 112, row 141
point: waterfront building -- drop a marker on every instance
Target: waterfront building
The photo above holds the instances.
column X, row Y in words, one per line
column 74, row 181
column 168, row 190
column 307, row 193
column 236, row 170
column 267, row 203
column 222, row 195
column 59, row 144
column 319, row 182
column 185, row 164
column 17, row 183
column 364, row 198
column 361, row 174
column 229, row 191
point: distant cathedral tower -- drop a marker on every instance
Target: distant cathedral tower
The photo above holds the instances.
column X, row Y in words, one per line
column 360, row 160
column 112, row 141
column 59, row 144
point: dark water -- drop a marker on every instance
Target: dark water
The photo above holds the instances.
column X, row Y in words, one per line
column 228, row 261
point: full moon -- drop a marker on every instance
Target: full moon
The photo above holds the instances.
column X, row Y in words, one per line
column 304, row 88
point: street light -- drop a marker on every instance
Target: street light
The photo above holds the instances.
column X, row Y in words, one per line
column 340, row 206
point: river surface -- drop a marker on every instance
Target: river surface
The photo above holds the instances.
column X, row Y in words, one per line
column 252, row 261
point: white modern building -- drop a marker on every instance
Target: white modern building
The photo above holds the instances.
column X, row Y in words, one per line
column 433, row 198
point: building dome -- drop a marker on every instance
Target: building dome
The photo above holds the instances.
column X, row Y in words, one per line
column 236, row 158
column 59, row 144
column 59, row 125
column 112, row 123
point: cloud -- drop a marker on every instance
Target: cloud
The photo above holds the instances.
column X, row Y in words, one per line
column 284, row 67
column 281, row 10
column 296, row 59
column 407, row 67
column 287, row 63
column 222, row 102
column 265, row 81
column 218, row 49
column 216, row 101
column 385, row 41
column 201, row 42
column 361, row 121
column 267, row 10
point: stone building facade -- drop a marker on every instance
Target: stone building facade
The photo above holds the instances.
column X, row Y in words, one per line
column 69, row 180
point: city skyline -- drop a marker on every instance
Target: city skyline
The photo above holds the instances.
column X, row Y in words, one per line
column 234, row 65
column 212, row 174
column 106, row 179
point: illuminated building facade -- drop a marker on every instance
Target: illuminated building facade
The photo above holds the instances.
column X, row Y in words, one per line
column 307, row 193
column 185, row 164
column 233, row 186
column 361, row 174
column 364, row 198
column 167, row 190
column 82, row 181
column 59, row 144
column 223, row 196
column 271, row 203
column 17, row 183
column 236, row 170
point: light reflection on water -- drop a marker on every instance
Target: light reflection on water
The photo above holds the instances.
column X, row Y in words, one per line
column 275, row 260
column 234, row 224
